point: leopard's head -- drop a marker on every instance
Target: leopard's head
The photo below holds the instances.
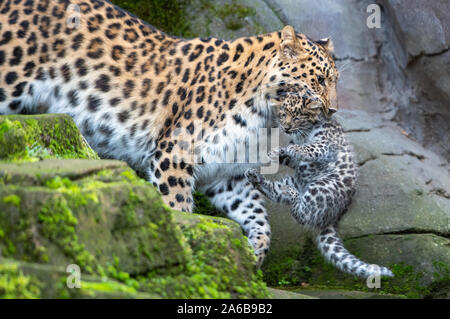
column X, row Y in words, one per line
column 309, row 65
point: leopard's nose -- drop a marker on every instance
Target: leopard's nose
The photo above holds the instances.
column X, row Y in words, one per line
column 333, row 103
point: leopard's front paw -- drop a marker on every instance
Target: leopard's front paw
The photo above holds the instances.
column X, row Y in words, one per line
column 253, row 176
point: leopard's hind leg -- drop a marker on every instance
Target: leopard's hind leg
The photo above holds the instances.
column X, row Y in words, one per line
column 243, row 203
column 172, row 175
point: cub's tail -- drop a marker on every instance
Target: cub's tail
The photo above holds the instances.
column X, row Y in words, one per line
column 331, row 246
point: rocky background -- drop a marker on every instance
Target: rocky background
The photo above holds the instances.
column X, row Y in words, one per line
column 394, row 105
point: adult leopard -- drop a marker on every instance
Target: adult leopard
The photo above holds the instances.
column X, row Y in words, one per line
column 136, row 93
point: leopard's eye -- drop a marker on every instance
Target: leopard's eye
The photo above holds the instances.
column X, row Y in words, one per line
column 321, row 80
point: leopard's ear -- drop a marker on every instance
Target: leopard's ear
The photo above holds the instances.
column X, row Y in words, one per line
column 315, row 105
column 327, row 44
column 290, row 45
column 331, row 111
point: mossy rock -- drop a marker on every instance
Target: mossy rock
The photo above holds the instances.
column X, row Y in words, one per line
column 203, row 206
column 15, row 285
column 20, row 280
column 227, row 19
column 230, row 19
column 92, row 213
column 223, row 263
column 166, row 15
column 286, row 294
column 417, row 260
column 34, row 137
column 343, row 294
column 99, row 215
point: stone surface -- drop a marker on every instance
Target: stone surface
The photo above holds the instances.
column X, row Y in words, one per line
column 43, row 171
column 222, row 263
column 286, row 294
column 343, row 20
column 345, row 294
column 401, row 185
column 230, row 19
column 425, row 114
column 358, row 86
column 429, row 254
column 412, row 68
column 424, row 25
column 95, row 217
column 430, row 74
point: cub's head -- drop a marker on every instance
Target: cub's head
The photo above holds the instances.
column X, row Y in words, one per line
column 299, row 110
column 308, row 64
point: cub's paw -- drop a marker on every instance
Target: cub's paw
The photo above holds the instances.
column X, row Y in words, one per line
column 253, row 176
column 273, row 154
column 278, row 153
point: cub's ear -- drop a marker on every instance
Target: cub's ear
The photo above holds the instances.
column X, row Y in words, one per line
column 327, row 44
column 290, row 46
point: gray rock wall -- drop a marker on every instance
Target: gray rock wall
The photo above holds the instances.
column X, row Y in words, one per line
column 415, row 63
column 400, row 70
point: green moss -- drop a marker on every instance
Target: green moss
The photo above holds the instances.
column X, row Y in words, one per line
column 107, row 287
column 36, row 137
column 233, row 15
column 236, row 242
column 204, row 257
column 166, row 15
column 12, row 199
column 15, row 285
column 12, row 138
column 307, row 265
column 212, row 272
column 86, row 196
column 203, row 206
column 58, row 225
column 440, row 288
column 286, row 270
column 32, row 280
column 131, row 176
column 113, row 270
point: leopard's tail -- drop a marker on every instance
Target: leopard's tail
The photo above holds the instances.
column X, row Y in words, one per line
column 331, row 246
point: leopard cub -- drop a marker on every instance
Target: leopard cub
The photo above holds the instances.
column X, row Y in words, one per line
column 323, row 185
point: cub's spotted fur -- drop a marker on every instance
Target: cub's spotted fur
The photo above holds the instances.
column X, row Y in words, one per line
column 324, row 182
column 140, row 95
